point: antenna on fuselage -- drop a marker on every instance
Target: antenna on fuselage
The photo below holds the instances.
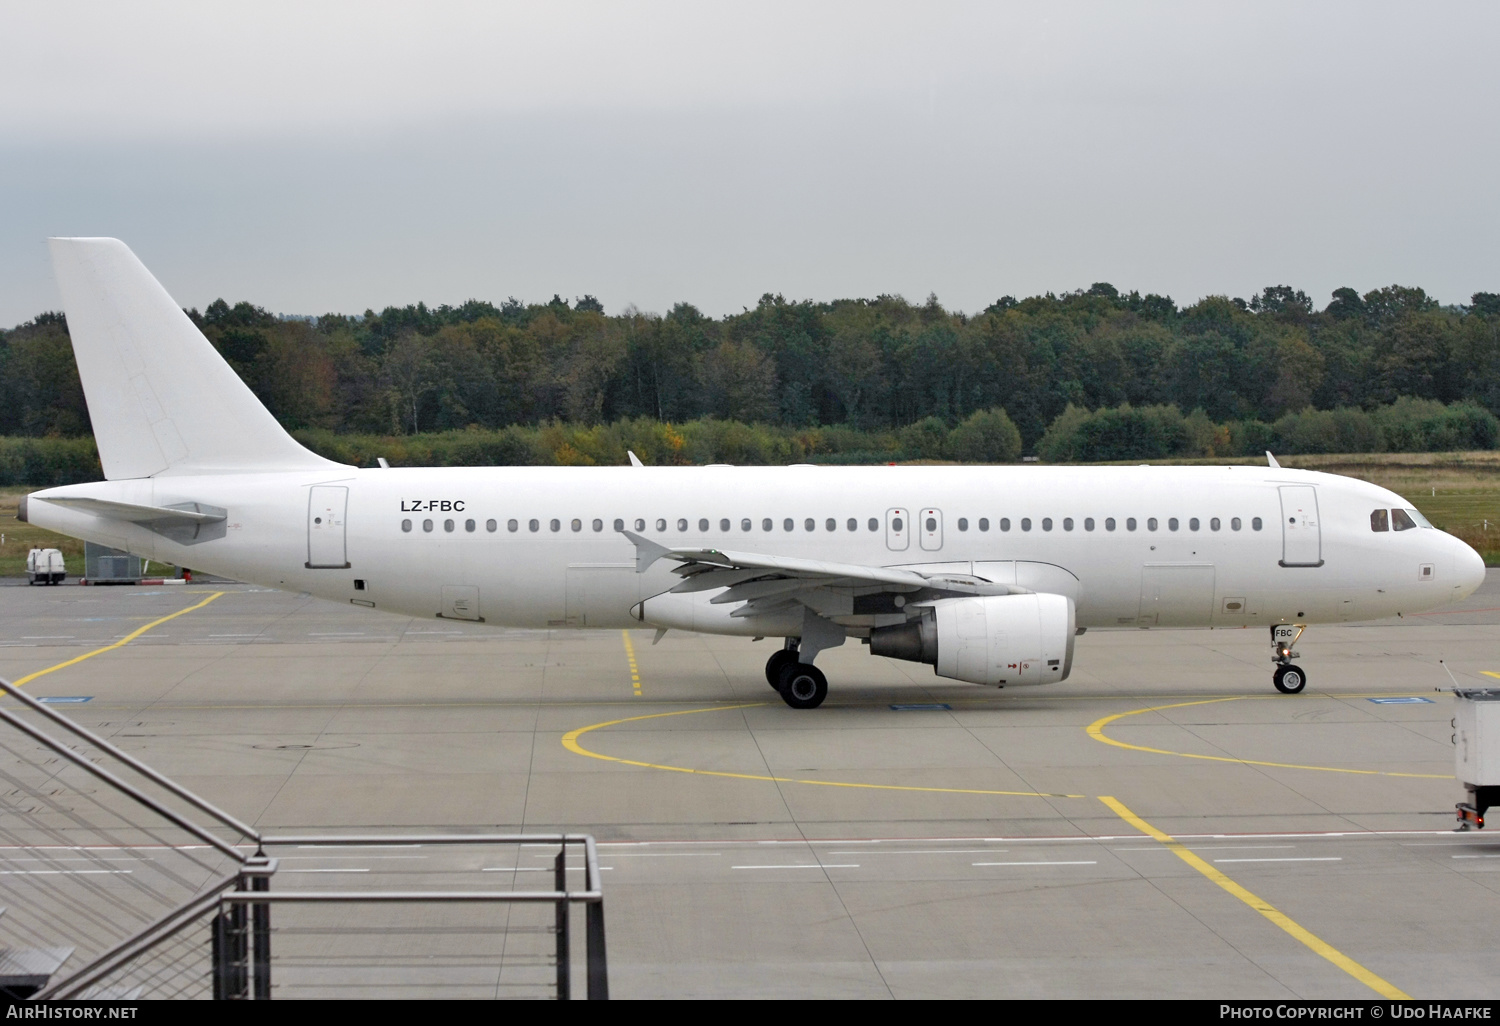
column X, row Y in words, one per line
column 635, row 461
column 1271, row 461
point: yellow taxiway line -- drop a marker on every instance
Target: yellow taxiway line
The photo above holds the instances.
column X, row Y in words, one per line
column 1096, row 731
column 1321, row 947
column 127, row 639
column 635, row 671
column 570, row 742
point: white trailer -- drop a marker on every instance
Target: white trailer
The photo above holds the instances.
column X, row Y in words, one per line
column 45, row 566
column 1476, row 751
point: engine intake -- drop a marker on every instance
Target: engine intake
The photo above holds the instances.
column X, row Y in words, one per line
column 993, row 640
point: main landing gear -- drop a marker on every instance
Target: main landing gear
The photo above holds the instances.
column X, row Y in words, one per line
column 1288, row 678
column 801, row 685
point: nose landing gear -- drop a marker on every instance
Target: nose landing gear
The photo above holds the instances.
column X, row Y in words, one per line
column 801, row 685
column 1288, row 678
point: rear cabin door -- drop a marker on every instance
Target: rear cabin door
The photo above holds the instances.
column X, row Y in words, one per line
column 1301, row 537
column 326, row 505
column 897, row 530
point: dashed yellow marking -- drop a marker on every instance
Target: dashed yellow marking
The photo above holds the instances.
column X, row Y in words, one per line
column 635, row 671
column 1490, row 673
column 1261, row 905
column 1096, row 731
column 570, row 742
column 127, row 639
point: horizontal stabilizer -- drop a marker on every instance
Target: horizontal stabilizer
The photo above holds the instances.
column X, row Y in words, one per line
column 188, row 513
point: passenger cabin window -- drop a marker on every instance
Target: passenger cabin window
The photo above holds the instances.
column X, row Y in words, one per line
column 681, row 524
column 832, row 524
column 1150, row 523
column 1234, row 523
column 1088, row 523
column 640, row 525
column 874, row 524
column 555, row 525
column 491, row 526
column 576, row 525
column 765, row 525
column 512, row 526
column 703, row 524
column 1192, row 524
column 598, row 525
column 1380, row 520
column 661, row 524
column 1025, row 523
column 1109, row 523
column 1067, row 523
column 1172, row 524
column 745, row 524
column 810, row 524
column 1401, row 521
column 619, row 524
column 1213, row 524
column 1257, row 524
column 1005, row 523
column 984, row 523
column 1046, row 523
column 724, row 524
column 469, row 525
column 789, row 525
column 406, row 524
column 963, row 523
column 427, row 525
column 447, row 525
column 1130, row 523
column 853, row 524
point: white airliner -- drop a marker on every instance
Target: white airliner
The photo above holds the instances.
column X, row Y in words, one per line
column 985, row 572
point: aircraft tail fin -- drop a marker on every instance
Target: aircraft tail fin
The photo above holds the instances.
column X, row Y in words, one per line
column 161, row 399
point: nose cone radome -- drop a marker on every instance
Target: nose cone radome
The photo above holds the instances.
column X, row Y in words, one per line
column 1468, row 571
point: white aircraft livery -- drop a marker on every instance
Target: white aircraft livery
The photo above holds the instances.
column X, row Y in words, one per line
column 986, row 573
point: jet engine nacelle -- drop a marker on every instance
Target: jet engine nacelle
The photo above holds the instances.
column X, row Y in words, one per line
column 994, row 640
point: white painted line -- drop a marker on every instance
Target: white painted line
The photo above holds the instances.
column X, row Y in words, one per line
column 532, row 869
column 1222, row 847
column 927, row 851
column 48, row 637
column 1476, row 856
column 335, row 634
column 1033, row 863
column 370, row 847
column 326, row 871
column 812, row 865
column 234, row 635
column 289, row 858
column 66, row 872
column 1325, row 859
column 662, row 854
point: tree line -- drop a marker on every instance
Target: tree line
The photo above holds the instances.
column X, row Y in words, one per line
column 878, row 367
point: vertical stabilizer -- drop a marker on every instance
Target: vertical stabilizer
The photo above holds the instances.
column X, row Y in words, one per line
column 161, row 399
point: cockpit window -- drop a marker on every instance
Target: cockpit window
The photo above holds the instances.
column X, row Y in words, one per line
column 1380, row 520
column 1401, row 520
column 1420, row 519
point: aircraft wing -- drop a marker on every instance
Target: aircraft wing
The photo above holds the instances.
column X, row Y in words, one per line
column 758, row 578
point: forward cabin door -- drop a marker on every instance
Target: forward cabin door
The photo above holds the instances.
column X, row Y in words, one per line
column 326, row 505
column 1301, row 537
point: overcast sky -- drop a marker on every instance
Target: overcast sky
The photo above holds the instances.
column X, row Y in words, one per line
column 316, row 157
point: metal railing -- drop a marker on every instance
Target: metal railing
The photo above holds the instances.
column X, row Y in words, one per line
column 163, row 958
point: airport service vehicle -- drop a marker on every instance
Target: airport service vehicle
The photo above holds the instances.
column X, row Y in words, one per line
column 986, row 573
column 45, row 566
